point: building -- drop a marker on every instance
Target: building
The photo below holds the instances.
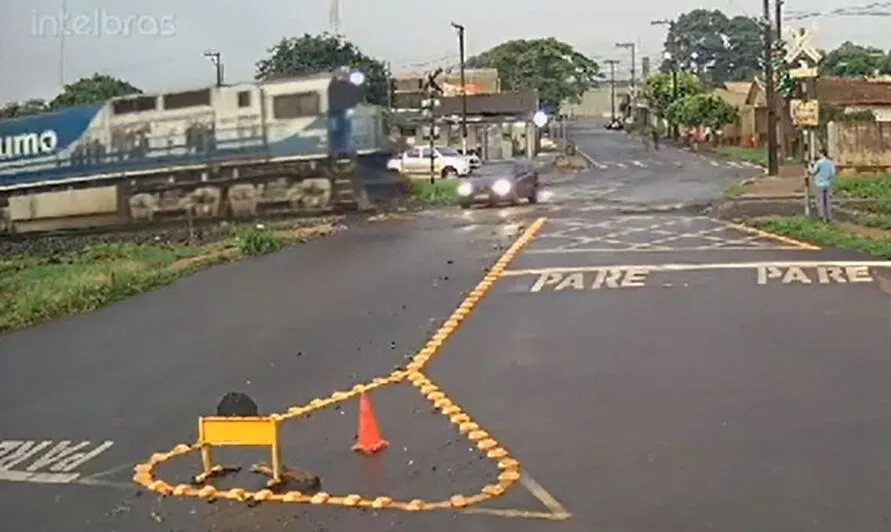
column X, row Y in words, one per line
column 850, row 95
column 736, row 94
column 498, row 123
column 597, row 102
column 476, row 80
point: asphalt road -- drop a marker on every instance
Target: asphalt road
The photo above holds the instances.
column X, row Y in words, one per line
column 650, row 369
column 627, row 171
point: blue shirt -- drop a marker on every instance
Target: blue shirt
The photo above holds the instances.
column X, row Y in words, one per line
column 824, row 172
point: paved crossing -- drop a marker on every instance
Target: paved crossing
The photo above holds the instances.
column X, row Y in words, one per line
column 698, row 163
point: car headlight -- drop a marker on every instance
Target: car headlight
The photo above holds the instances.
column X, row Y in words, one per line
column 502, row 187
column 465, row 189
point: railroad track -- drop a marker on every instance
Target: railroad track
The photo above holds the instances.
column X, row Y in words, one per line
column 195, row 224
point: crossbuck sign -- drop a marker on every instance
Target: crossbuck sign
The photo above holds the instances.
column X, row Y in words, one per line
column 801, row 47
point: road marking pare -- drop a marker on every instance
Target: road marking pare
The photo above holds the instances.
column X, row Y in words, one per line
column 46, row 461
column 818, row 274
column 808, row 273
column 603, row 278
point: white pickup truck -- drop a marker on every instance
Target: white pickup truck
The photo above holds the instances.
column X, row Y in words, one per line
column 447, row 162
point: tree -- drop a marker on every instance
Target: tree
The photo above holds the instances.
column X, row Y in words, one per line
column 553, row 68
column 709, row 110
column 660, row 90
column 314, row 54
column 854, row 60
column 716, row 47
column 96, row 89
column 28, row 107
column 885, row 65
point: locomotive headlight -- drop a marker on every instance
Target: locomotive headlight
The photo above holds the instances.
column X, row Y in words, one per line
column 357, row 77
column 501, row 187
column 465, row 189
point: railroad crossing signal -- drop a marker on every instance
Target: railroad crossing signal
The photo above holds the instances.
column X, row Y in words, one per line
column 433, row 89
column 432, row 85
column 802, row 48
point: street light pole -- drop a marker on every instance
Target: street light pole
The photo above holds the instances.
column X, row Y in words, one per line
column 770, row 89
column 612, row 86
column 216, row 59
column 460, row 29
column 633, row 49
column 669, row 56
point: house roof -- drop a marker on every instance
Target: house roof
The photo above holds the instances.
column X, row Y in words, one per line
column 852, row 91
column 839, row 91
column 735, row 99
column 738, row 87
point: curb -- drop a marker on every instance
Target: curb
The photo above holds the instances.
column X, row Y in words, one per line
column 588, row 159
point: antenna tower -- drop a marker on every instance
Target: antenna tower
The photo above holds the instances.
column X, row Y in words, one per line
column 334, row 20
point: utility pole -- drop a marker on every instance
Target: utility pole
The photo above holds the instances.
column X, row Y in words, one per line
column 770, row 89
column 460, row 30
column 633, row 49
column 216, row 59
column 429, row 106
column 612, row 86
column 669, row 55
column 783, row 102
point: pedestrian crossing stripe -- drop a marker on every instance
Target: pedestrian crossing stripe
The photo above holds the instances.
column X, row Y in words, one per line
column 606, row 165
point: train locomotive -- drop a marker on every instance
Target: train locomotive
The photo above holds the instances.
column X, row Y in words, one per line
column 235, row 150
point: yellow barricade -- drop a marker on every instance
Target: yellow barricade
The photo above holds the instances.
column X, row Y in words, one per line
column 261, row 431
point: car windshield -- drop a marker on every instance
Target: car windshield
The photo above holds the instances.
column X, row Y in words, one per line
column 448, row 152
column 497, row 169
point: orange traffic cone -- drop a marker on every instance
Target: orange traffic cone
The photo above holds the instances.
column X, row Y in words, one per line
column 370, row 440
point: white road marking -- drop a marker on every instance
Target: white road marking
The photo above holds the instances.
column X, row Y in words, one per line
column 46, row 461
column 652, row 247
column 638, row 164
column 681, row 267
column 714, row 163
column 38, row 478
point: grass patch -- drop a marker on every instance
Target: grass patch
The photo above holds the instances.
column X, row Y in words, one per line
column 876, row 242
column 38, row 288
column 735, row 190
column 870, row 187
column 258, row 241
column 751, row 155
column 439, row 192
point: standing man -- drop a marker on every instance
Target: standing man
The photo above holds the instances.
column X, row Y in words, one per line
column 823, row 172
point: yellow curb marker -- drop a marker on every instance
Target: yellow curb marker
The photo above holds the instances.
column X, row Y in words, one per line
column 771, row 236
column 509, row 468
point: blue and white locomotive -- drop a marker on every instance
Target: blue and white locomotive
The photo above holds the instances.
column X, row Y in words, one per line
column 206, row 151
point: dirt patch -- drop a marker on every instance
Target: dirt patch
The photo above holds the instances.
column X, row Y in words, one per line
column 217, row 255
column 303, row 234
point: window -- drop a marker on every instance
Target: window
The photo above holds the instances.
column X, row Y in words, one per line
column 448, row 152
column 244, row 99
column 425, row 153
column 413, row 153
column 181, row 100
column 134, row 105
column 296, row 105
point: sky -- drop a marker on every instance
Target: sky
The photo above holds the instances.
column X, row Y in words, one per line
column 159, row 44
